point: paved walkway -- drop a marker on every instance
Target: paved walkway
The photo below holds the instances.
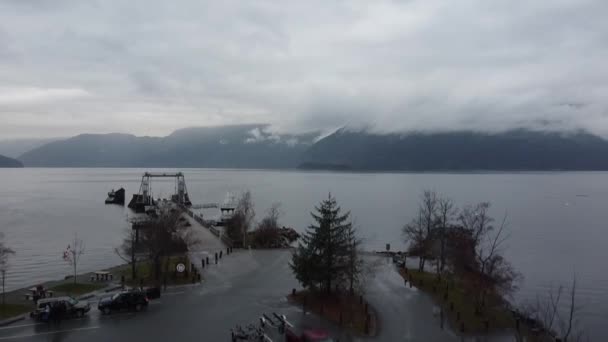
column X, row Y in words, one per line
column 208, row 246
column 406, row 314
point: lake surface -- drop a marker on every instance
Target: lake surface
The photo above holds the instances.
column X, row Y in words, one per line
column 556, row 221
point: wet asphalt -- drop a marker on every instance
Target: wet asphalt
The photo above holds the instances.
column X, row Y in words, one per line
column 238, row 290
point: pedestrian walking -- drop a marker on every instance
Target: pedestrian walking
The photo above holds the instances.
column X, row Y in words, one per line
column 46, row 315
column 61, row 312
column 54, row 313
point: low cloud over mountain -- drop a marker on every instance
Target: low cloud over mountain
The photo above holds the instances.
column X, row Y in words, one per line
column 238, row 146
column 254, row 146
column 151, row 67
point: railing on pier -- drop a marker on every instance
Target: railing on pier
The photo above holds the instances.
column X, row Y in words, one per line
column 226, row 240
column 206, row 206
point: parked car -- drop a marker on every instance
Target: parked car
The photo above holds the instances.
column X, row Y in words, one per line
column 399, row 260
column 74, row 307
column 126, row 300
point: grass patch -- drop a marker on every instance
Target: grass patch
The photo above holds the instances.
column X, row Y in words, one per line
column 499, row 317
column 449, row 293
column 343, row 309
column 77, row 289
column 145, row 271
column 12, row 310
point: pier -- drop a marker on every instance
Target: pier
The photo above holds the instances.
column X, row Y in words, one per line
column 144, row 199
column 193, row 217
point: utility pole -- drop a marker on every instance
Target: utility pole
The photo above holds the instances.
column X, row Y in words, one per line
column 3, row 276
column 133, row 273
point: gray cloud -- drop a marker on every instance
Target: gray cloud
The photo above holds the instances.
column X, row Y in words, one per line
column 149, row 67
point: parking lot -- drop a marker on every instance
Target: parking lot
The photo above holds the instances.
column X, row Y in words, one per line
column 236, row 291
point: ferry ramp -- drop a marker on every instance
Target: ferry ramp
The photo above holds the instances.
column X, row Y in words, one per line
column 208, row 244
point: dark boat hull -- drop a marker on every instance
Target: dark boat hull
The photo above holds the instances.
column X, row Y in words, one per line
column 116, row 197
column 138, row 203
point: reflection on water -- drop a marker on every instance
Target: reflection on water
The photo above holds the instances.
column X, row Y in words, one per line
column 555, row 219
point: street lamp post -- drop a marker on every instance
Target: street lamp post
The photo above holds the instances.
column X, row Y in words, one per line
column 3, row 274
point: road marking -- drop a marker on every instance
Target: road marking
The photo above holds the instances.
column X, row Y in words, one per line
column 47, row 333
column 185, row 286
column 117, row 314
column 173, row 293
column 33, row 324
column 19, row 326
column 125, row 313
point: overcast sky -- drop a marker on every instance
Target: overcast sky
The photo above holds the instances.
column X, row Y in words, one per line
column 148, row 67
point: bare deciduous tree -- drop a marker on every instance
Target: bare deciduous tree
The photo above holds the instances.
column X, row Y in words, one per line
column 486, row 252
column 444, row 215
column 271, row 220
column 245, row 208
column 557, row 312
column 5, row 253
column 418, row 232
column 267, row 234
column 477, row 221
column 493, row 272
column 428, row 210
column 242, row 220
column 416, row 238
column 73, row 252
column 475, row 252
column 127, row 251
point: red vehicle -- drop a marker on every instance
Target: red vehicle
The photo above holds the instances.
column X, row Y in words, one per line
column 305, row 335
column 309, row 335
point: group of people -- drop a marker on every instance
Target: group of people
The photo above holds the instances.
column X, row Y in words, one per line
column 39, row 293
column 54, row 312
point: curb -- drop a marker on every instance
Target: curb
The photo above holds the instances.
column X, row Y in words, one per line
column 102, row 291
column 114, row 288
column 12, row 320
column 86, row 296
column 183, row 286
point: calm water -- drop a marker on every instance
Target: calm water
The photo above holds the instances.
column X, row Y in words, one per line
column 556, row 220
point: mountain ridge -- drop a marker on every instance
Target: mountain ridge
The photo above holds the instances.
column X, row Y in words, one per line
column 234, row 146
column 255, row 146
column 13, row 148
column 514, row 150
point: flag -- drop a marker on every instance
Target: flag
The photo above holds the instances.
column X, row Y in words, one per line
column 67, row 254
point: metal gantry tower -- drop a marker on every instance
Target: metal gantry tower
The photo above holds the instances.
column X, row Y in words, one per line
column 145, row 196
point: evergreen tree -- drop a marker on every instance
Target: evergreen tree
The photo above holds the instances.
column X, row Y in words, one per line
column 323, row 256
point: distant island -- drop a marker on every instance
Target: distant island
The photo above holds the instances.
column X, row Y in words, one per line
column 324, row 166
column 9, row 162
column 255, row 147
